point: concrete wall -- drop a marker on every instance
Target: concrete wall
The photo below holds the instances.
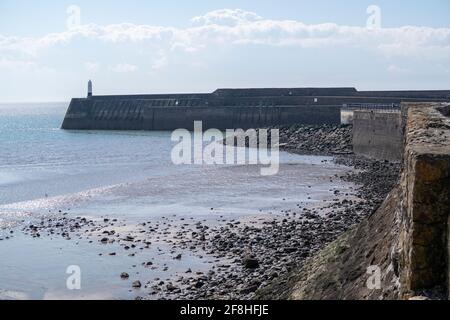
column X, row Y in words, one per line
column 425, row 185
column 227, row 108
column 407, row 237
column 378, row 134
column 97, row 114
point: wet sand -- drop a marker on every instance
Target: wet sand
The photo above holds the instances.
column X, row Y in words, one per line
column 172, row 255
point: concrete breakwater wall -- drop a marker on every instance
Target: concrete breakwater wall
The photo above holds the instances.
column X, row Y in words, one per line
column 139, row 115
column 405, row 244
column 378, row 134
column 227, row 108
column 424, row 240
column 419, row 134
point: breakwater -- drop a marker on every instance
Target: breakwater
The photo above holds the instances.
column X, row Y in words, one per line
column 400, row 250
column 378, row 134
column 228, row 108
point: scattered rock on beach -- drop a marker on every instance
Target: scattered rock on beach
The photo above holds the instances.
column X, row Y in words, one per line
column 247, row 256
column 104, row 240
column 250, row 263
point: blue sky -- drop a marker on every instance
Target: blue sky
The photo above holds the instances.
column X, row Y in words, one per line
column 139, row 46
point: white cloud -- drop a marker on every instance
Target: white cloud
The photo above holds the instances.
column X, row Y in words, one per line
column 92, row 66
column 160, row 62
column 226, row 17
column 123, row 68
column 238, row 27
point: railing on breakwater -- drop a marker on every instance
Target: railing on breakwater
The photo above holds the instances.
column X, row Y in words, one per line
column 348, row 109
column 371, row 106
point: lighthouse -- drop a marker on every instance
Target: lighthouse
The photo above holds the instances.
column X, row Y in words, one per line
column 89, row 92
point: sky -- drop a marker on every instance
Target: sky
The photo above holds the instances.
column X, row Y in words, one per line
column 50, row 49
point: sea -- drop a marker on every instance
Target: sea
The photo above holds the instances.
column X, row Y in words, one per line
column 44, row 169
column 125, row 174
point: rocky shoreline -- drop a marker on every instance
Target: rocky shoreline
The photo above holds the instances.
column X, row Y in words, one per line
column 328, row 140
column 270, row 252
column 317, row 140
column 248, row 255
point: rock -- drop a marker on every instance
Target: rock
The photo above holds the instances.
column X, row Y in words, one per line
column 170, row 287
column 124, row 275
column 252, row 287
column 290, row 249
column 136, row 284
column 419, row 298
column 250, row 263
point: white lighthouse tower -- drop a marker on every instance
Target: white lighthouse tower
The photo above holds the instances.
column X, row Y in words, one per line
column 89, row 93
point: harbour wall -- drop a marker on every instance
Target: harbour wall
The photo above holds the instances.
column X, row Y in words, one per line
column 228, row 108
column 406, row 240
column 378, row 134
column 139, row 115
column 424, row 240
column 420, row 249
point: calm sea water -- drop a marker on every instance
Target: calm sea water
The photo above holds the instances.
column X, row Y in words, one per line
column 44, row 169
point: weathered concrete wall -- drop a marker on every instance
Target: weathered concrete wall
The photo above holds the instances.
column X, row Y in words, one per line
column 227, row 108
column 407, row 238
column 84, row 114
column 378, row 134
column 425, row 183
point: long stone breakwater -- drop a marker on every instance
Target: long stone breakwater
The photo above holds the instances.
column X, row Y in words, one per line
column 229, row 108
